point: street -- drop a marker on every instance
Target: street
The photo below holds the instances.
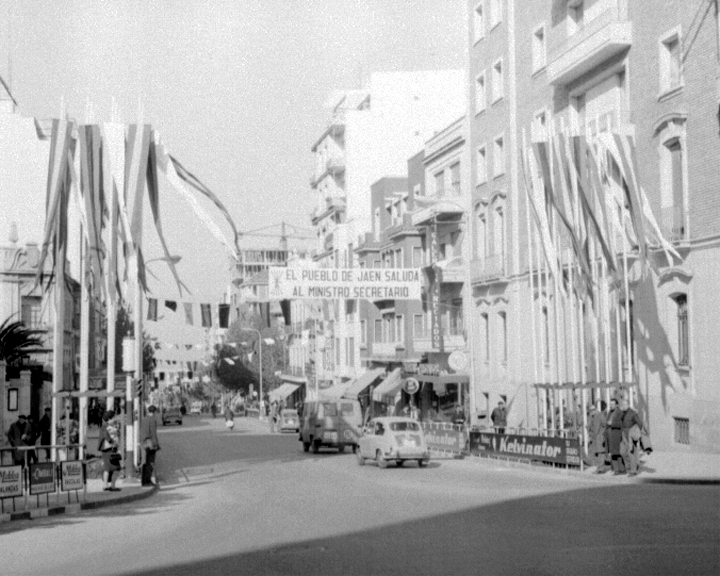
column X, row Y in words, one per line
column 247, row 502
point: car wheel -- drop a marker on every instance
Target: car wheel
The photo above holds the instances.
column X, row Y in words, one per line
column 422, row 463
column 360, row 459
column 316, row 446
column 341, row 448
column 382, row 463
column 306, row 446
column 399, row 463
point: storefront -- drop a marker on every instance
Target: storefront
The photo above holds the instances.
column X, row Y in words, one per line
column 295, row 396
column 441, row 397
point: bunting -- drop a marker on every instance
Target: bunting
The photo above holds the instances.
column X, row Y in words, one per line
column 206, row 315
column 152, row 313
column 188, row 313
column 171, row 304
column 223, row 315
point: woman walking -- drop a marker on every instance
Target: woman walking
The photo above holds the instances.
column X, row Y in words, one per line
column 108, row 443
column 614, row 437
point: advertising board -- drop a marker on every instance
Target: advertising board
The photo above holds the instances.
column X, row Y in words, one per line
column 537, row 448
column 72, row 476
column 442, row 439
column 11, row 484
column 42, row 478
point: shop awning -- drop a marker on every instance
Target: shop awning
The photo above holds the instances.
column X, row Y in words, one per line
column 440, row 382
column 388, row 388
column 282, row 392
column 362, row 382
column 299, row 380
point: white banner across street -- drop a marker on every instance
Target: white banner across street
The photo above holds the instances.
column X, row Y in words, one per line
column 345, row 283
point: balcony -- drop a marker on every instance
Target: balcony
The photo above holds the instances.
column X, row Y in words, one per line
column 487, row 269
column 384, row 349
column 450, row 342
column 439, row 208
column 451, row 271
column 335, row 163
column 601, row 38
column 673, row 223
column 402, row 228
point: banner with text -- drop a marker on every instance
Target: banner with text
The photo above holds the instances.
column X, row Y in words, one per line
column 538, row 448
column 344, row 283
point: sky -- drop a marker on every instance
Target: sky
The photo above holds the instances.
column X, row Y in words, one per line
column 236, row 89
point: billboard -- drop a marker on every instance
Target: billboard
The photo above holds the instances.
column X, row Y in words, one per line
column 538, row 448
column 344, row 283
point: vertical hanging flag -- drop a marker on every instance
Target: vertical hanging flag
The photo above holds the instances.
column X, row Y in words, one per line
column 206, row 315
column 171, row 304
column 188, row 313
column 223, row 315
column 152, row 309
column 285, row 307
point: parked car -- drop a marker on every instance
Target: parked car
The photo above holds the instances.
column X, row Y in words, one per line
column 289, row 421
column 330, row 423
column 392, row 438
column 172, row 414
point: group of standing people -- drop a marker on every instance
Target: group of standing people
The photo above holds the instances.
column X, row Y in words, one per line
column 26, row 432
column 614, row 438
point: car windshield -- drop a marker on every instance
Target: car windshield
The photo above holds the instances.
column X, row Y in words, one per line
column 403, row 426
column 330, row 409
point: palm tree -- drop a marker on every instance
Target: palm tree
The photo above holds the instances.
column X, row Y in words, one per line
column 17, row 342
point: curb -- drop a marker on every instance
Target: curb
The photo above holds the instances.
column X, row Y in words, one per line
column 76, row 508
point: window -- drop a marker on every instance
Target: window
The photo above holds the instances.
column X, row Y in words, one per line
column 419, row 326
column 389, row 328
column 670, row 62
column 496, row 7
column 499, row 156
column 363, row 332
column 377, row 337
column 682, row 430
column 481, row 168
column 351, row 351
column 482, row 242
column 546, row 335
column 499, row 235
column 683, row 345
column 417, row 190
column 376, row 225
column 538, row 49
column 456, row 317
column 498, row 86
column 480, row 98
column 503, row 328
column 399, row 329
column 417, row 257
column 479, row 22
column 673, row 189
column 399, row 258
column 455, row 178
column 337, row 351
column 31, row 312
column 440, row 184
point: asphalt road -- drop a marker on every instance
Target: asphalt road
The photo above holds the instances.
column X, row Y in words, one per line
column 247, row 502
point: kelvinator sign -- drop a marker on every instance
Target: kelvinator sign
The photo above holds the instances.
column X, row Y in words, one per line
column 345, row 283
column 538, row 448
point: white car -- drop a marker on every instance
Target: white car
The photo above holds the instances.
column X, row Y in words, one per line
column 392, row 439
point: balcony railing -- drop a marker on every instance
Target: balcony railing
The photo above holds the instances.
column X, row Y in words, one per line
column 384, row 349
column 450, row 342
column 599, row 39
column 488, row 268
column 673, row 223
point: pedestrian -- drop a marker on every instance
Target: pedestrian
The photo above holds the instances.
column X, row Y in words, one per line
column 32, row 433
column 46, row 431
column 632, row 429
column 273, row 416
column 150, row 443
column 459, row 416
column 108, row 444
column 213, row 409
column 16, row 435
column 613, row 438
column 229, row 418
column 596, row 437
column 499, row 417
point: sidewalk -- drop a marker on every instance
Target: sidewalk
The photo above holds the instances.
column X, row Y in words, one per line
column 71, row 502
column 663, row 467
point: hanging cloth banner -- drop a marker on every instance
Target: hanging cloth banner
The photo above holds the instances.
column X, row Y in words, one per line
column 171, row 304
column 188, row 313
column 223, row 315
column 152, row 309
column 342, row 283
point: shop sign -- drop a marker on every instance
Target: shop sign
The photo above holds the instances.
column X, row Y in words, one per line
column 538, row 448
column 422, row 369
column 42, row 478
column 345, row 283
column 411, row 385
column 458, row 361
column 440, row 439
column 11, row 484
column 434, row 290
column 72, row 475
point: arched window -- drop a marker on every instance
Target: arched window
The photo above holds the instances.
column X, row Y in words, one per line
column 683, row 332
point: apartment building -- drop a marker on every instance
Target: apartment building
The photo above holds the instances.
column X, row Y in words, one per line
column 370, row 134
column 645, row 71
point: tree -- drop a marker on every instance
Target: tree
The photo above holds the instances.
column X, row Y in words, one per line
column 17, row 342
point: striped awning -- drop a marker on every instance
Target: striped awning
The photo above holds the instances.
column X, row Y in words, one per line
column 388, row 388
column 362, row 382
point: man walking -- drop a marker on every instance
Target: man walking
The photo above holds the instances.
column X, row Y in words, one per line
column 46, row 432
column 17, row 435
column 499, row 417
column 596, row 437
column 632, row 428
column 149, row 441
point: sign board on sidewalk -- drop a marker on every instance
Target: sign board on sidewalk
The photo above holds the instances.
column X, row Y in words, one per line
column 72, row 475
column 442, row 439
column 344, row 283
column 42, row 478
column 11, row 484
column 538, row 448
